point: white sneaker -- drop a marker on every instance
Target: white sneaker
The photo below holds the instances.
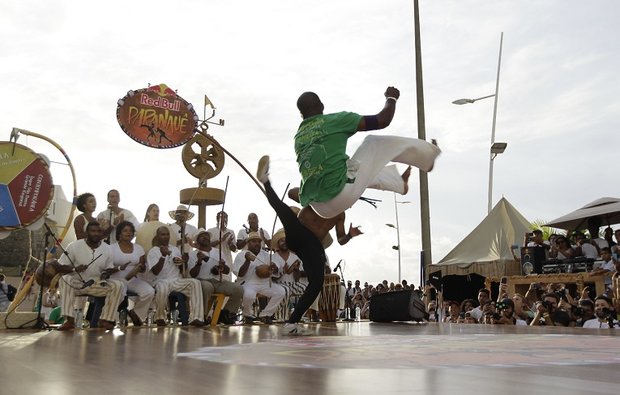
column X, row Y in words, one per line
column 295, row 330
column 262, row 173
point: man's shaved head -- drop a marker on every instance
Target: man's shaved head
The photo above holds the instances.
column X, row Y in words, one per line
column 309, row 104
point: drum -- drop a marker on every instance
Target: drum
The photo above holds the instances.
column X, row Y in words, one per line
column 329, row 298
column 49, row 277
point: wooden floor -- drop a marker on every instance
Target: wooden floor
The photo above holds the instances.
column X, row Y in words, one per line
column 342, row 358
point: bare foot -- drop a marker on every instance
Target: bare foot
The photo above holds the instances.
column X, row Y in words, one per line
column 405, row 177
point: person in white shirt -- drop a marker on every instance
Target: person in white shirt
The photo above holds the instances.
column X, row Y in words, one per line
column 483, row 296
column 594, row 225
column 605, row 314
column 129, row 261
column 562, row 249
column 114, row 215
column 164, row 264
column 84, row 263
column 206, row 265
column 255, row 270
column 223, row 239
column 242, row 235
column 182, row 232
column 608, row 268
column 584, row 247
column 289, row 270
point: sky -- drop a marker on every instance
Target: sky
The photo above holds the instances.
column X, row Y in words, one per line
column 65, row 64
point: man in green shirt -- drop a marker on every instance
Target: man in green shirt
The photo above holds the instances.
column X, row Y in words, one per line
column 331, row 181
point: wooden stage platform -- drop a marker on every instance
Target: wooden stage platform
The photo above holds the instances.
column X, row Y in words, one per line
column 343, row 358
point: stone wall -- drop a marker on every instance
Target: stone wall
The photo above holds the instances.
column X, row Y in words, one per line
column 16, row 249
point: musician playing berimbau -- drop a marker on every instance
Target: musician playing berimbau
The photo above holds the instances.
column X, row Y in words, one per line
column 209, row 266
column 254, row 270
column 164, row 263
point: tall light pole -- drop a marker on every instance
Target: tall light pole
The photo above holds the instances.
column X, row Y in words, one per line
column 397, row 227
column 425, row 211
column 496, row 148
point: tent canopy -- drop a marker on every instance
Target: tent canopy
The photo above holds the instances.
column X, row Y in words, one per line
column 487, row 249
column 606, row 209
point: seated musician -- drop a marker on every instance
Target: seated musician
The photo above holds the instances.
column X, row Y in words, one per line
column 208, row 265
column 254, row 270
column 83, row 265
column 164, row 265
column 289, row 271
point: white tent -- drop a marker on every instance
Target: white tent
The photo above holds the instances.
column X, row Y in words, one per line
column 606, row 209
column 487, row 249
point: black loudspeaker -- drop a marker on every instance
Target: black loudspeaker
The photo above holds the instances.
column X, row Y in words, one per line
column 436, row 280
column 397, row 306
column 532, row 259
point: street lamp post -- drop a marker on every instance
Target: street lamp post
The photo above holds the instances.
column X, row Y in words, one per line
column 496, row 148
column 397, row 227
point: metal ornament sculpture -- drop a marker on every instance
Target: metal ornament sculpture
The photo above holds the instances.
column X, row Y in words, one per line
column 202, row 159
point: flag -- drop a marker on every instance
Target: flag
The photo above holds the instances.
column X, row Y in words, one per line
column 208, row 102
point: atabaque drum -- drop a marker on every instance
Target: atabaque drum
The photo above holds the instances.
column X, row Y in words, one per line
column 329, row 298
column 46, row 274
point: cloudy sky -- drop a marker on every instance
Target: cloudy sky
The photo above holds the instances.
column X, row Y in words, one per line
column 64, row 65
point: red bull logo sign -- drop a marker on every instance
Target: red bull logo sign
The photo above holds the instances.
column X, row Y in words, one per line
column 157, row 117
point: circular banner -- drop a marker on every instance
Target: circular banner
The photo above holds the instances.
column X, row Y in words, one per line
column 157, row 117
column 26, row 186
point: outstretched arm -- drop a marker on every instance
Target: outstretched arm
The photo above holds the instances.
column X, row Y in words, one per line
column 385, row 116
column 343, row 238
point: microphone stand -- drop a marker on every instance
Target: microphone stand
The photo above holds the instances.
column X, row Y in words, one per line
column 220, row 226
column 346, row 301
column 108, row 239
column 182, row 248
column 41, row 324
column 85, row 283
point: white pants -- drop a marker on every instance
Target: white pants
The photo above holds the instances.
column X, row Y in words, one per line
column 189, row 287
column 368, row 167
column 112, row 290
column 274, row 292
column 145, row 293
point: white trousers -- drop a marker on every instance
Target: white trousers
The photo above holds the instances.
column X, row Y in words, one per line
column 273, row 291
column 145, row 293
column 112, row 290
column 368, row 167
column 189, row 287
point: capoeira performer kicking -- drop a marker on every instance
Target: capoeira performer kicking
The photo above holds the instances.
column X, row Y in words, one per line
column 332, row 182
